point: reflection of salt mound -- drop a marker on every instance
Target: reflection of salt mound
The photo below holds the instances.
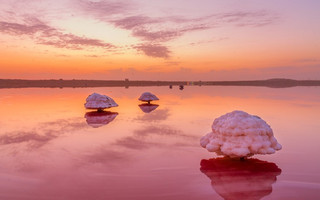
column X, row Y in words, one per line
column 239, row 134
column 97, row 119
column 99, row 102
column 251, row 179
column 147, row 108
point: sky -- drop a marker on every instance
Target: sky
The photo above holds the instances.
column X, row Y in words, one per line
column 160, row 40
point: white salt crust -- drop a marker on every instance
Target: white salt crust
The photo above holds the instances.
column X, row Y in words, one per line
column 98, row 101
column 239, row 134
column 147, row 96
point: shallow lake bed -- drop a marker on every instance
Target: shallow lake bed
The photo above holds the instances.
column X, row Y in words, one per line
column 49, row 149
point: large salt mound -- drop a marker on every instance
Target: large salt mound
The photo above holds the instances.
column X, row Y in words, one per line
column 239, row 134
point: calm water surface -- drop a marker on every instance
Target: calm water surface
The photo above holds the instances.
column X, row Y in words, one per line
column 52, row 148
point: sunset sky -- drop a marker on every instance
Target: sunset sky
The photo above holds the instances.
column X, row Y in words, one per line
column 160, row 39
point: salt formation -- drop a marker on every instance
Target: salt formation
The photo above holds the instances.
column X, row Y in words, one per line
column 239, row 134
column 147, row 97
column 96, row 119
column 147, row 107
column 234, row 179
column 99, row 102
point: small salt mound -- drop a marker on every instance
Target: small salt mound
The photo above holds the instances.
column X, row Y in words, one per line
column 147, row 97
column 239, row 134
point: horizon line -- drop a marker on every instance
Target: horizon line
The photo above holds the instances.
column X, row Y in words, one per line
column 77, row 83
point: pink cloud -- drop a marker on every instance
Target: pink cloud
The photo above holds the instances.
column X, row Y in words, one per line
column 165, row 28
column 46, row 35
column 307, row 60
column 127, row 15
column 135, row 21
column 70, row 41
column 147, row 28
column 154, row 50
column 104, row 9
column 165, row 35
column 21, row 29
column 159, row 36
column 161, row 29
column 246, row 18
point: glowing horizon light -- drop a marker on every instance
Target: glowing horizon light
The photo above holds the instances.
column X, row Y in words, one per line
column 163, row 40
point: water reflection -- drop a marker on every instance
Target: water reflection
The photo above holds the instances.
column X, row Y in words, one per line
column 251, row 179
column 52, row 150
column 156, row 136
column 132, row 142
column 97, row 119
column 42, row 133
column 157, row 116
column 147, row 108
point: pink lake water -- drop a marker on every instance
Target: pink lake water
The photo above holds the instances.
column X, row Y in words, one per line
column 51, row 148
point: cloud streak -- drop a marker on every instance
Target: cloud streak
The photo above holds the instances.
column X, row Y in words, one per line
column 246, row 18
column 132, row 22
column 103, row 10
column 44, row 34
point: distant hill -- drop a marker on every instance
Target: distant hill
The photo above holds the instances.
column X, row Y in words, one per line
column 60, row 83
column 274, row 83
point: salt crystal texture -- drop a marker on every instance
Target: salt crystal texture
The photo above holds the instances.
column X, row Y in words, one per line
column 147, row 96
column 239, row 134
column 98, row 101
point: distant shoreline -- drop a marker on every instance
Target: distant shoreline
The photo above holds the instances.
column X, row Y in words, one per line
column 60, row 83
